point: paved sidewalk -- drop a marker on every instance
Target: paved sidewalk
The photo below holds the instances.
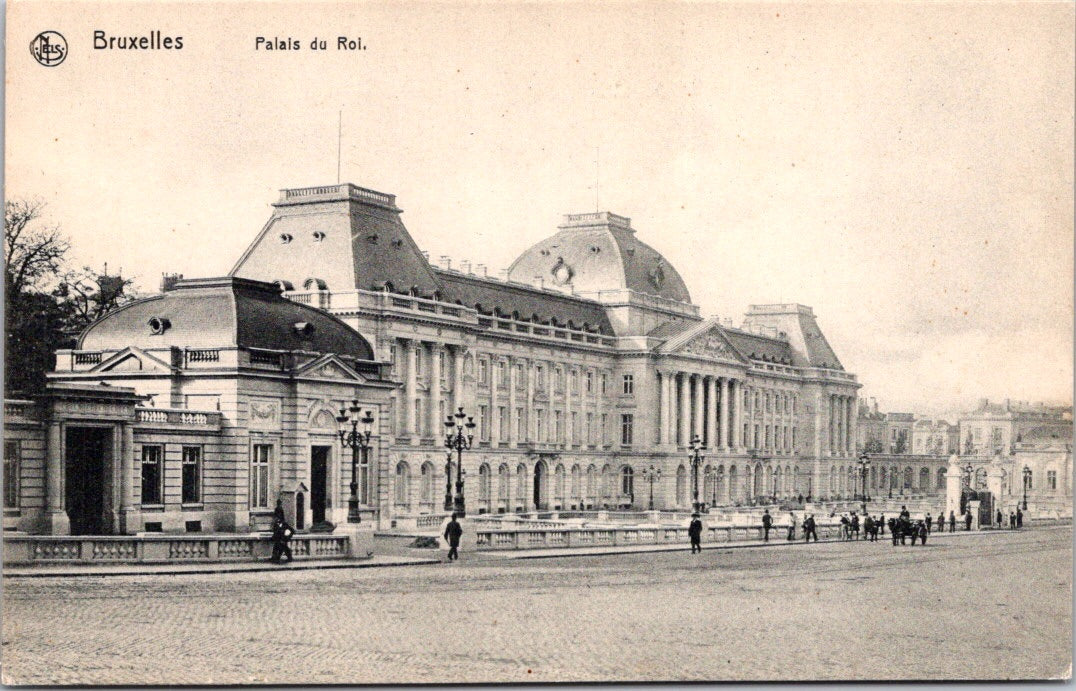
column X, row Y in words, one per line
column 70, row 570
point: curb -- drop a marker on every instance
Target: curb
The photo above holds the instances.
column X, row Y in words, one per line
column 255, row 567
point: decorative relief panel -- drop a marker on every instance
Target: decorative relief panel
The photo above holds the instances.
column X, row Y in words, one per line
column 264, row 414
column 709, row 344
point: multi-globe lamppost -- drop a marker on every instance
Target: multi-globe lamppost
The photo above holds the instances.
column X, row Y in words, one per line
column 696, row 458
column 651, row 474
column 1027, row 481
column 358, row 442
column 459, row 440
column 864, row 468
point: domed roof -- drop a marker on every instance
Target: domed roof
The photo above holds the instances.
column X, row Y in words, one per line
column 599, row 251
column 223, row 312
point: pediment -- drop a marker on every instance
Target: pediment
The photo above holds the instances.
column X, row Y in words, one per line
column 329, row 367
column 132, row 360
column 708, row 342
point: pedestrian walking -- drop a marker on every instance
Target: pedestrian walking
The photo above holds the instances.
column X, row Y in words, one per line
column 845, row 529
column 453, row 531
column 1012, row 520
column 282, row 532
column 1019, row 518
column 967, row 520
column 913, row 530
column 923, row 532
column 855, row 525
column 930, row 521
column 894, row 531
column 809, row 528
column 791, row 526
column 868, row 528
column 881, row 524
column 952, row 522
column 1001, row 520
column 694, row 533
column 767, row 523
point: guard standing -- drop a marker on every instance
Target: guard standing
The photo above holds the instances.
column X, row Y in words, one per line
column 930, row 521
column 1019, row 518
column 767, row 523
column 952, row 522
column 967, row 520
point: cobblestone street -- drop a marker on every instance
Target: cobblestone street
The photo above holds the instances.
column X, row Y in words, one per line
column 964, row 607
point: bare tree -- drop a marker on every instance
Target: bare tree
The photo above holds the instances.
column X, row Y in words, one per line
column 32, row 253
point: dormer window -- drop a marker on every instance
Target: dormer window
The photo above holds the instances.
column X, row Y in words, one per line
column 285, row 238
column 158, row 325
column 318, row 236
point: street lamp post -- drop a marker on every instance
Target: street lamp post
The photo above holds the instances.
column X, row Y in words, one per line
column 651, row 474
column 864, row 467
column 696, row 459
column 458, row 439
column 1027, row 481
column 358, row 442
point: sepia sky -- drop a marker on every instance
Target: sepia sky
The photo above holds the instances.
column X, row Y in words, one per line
column 905, row 169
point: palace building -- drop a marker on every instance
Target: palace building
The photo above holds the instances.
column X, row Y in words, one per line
column 586, row 368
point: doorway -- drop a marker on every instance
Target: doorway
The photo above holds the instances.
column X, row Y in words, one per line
column 88, row 453
column 319, row 486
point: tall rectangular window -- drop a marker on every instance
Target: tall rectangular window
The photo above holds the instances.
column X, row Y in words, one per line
column 392, row 359
column 483, row 371
column 602, row 433
column 590, row 382
column 590, row 428
column 627, row 421
column 152, row 473
column 441, row 366
column 558, row 435
column 11, row 474
column 502, row 423
column 1051, row 480
column 629, row 384
column 605, row 382
column 483, row 423
column 420, row 357
column 192, row 475
column 539, row 376
column 539, row 421
column 502, row 374
column 261, row 455
column 573, row 430
column 520, row 432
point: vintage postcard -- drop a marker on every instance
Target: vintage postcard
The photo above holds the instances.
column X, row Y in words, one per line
column 475, row 342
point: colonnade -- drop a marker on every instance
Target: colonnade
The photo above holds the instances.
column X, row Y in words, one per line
column 705, row 406
column 841, row 439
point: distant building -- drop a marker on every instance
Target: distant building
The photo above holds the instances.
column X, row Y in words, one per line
column 998, row 427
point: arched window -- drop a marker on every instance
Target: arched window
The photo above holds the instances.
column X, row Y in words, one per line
column 592, row 484
column 283, row 285
column 429, row 484
column 777, row 479
column 521, row 486
column 558, row 485
column 719, row 486
column 941, row 479
column 681, row 486
column 627, row 481
column 484, row 482
column 882, row 478
column 758, row 488
column 607, row 481
column 733, row 486
column 577, row 489
column 707, row 483
column 908, row 476
column 924, row 479
column 504, row 486
column 403, row 486
column 315, row 284
column 832, row 480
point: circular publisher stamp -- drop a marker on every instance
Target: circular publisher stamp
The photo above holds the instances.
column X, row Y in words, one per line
column 49, row 48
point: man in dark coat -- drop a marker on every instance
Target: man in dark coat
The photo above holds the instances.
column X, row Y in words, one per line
column 694, row 532
column 923, row 532
column 930, row 521
column 809, row 528
column 1001, row 520
column 967, row 520
column 952, row 522
column 904, row 513
column 282, row 532
column 1012, row 520
column 453, row 531
column 894, row 530
column 870, row 532
column 881, row 524
column 767, row 523
column 1019, row 518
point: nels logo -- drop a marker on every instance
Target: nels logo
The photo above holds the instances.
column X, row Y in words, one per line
column 49, row 48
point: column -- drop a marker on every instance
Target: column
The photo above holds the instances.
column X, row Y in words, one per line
column 852, row 425
column 698, row 406
column 494, row 419
column 528, row 403
column 513, row 382
column 725, row 413
column 551, row 375
column 711, row 415
column 737, row 419
column 457, row 379
column 683, row 427
column 411, row 426
column 663, row 408
column 57, row 520
column 832, row 426
column 436, row 421
column 126, row 464
column 567, row 423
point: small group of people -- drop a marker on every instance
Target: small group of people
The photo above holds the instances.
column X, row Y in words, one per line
column 1016, row 519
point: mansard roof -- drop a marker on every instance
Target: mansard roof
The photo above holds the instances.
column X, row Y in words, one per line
column 522, row 301
column 222, row 312
column 759, row 347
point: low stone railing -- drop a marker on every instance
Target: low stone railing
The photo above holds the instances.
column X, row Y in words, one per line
column 148, row 549
column 591, row 536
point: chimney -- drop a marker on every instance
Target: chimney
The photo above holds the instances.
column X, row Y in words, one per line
column 446, row 261
column 465, row 266
column 539, row 282
column 168, row 281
